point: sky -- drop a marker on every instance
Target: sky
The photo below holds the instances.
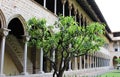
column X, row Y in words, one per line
column 111, row 12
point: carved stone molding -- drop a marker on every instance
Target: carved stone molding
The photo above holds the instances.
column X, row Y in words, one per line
column 4, row 31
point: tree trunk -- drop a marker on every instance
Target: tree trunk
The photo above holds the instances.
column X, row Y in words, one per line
column 60, row 74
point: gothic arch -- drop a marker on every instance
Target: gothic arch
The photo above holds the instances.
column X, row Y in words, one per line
column 2, row 19
column 21, row 20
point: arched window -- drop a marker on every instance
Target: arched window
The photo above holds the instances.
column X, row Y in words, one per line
column 16, row 27
column 66, row 9
column 82, row 22
column 41, row 2
column 59, row 7
column 50, row 5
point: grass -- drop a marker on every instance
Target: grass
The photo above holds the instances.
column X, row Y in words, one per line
column 115, row 73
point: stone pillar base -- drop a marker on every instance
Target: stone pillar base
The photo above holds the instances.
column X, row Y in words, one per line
column 52, row 71
column 24, row 73
column 69, row 69
column 40, row 72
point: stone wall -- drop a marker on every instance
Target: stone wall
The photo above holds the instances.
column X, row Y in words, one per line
column 26, row 9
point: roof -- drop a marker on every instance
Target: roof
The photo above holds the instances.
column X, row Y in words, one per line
column 91, row 8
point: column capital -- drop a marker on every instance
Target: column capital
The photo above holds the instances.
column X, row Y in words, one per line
column 26, row 37
column 63, row 1
column 75, row 12
column 80, row 15
column 70, row 6
column 4, row 31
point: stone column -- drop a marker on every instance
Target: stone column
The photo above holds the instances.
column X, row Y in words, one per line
column 41, row 61
column 75, row 12
column 105, row 62
column 53, row 58
column 25, row 55
column 101, row 62
column 84, row 62
column 118, row 46
column 76, row 64
column 97, row 61
column 44, row 3
column 108, row 62
column 70, row 8
column 4, row 33
column 83, row 21
column 88, row 61
column 80, row 19
column 70, row 65
column 70, row 60
column 55, row 6
column 63, row 8
column 80, row 63
column 93, row 61
column 0, row 2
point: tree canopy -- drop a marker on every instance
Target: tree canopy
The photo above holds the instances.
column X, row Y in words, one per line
column 71, row 40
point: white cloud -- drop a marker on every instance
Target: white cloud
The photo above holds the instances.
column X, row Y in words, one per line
column 111, row 12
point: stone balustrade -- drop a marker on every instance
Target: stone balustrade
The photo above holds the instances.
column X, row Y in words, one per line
column 72, row 73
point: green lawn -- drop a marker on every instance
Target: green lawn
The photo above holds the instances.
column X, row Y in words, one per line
column 115, row 73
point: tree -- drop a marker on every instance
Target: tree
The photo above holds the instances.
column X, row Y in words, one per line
column 71, row 40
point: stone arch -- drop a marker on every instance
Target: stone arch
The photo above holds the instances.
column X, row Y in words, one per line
column 77, row 17
column 82, row 22
column 2, row 20
column 114, row 62
column 17, row 25
column 19, row 21
column 67, row 8
column 73, row 10
column 50, row 5
column 59, row 6
column 15, row 42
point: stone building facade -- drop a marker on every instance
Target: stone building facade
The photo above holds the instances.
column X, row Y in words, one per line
column 13, row 17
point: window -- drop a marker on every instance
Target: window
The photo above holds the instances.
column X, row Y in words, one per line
column 40, row 2
column 116, row 49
